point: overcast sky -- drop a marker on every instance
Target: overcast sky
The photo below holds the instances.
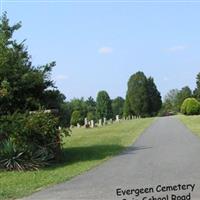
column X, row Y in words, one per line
column 99, row 45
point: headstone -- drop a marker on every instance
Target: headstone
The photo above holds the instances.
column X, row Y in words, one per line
column 117, row 118
column 104, row 121
column 78, row 125
column 100, row 122
column 92, row 123
column 85, row 122
column 71, row 126
column 111, row 121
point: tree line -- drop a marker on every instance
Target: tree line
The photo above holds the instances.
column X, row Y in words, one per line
column 142, row 100
column 175, row 98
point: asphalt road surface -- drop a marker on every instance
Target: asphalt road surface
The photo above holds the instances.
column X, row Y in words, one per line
column 165, row 157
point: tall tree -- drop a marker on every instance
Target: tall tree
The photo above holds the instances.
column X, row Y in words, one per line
column 137, row 94
column 154, row 97
column 91, row 105
column 197, row 89
column 117, row 106
column 22, row 86
column 79, row 105
column 127, row 108
column 170, row 100
column 104, row 108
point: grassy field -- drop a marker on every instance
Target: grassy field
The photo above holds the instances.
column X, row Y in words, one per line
column 192, row 122
column 86, row 148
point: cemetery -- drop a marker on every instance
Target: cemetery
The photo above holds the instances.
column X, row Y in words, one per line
column 47, row 138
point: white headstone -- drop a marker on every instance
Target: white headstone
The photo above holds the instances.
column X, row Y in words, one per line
column 104, row 121
column 100, row 122
column 92, row 123
column 85, row 121
column 117, row 118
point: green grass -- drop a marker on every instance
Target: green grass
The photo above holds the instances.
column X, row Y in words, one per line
column 192, row 122
column 86, row 148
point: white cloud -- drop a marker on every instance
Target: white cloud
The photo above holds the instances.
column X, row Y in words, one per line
column 177, row 48
column 61, row 77
column 105, row 50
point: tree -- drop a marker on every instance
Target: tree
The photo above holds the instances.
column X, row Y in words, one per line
column 127, row 109
column 104, row 108
column 170, row 100
column 65, row 114
column 22, row 86
column 190, row 106
column 137, row 94
column 117, row 106
column 197, row 89
column 91, row 108
column 154, row 97
column 76, row 118
column 183, row 94
column 79, row 105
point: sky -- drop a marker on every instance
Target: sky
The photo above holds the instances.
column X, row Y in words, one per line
column 98, row 45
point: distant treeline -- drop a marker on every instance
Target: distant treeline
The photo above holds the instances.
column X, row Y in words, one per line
column 173, row 101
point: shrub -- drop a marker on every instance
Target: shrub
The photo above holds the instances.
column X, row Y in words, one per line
column 29, row 141
column 91, row 116
column 76, row 118
column 190, row 106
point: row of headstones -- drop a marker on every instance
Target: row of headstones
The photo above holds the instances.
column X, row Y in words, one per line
column 92, row 124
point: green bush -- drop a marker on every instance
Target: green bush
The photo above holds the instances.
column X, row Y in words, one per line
column 29, row 140
column 76, row 118
column 91, row 116
column 190, row 106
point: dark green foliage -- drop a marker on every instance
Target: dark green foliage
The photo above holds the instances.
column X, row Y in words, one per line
column 65, row 114
column 13, row 157
column 91, row 105
column 23, row 86
column 190, row 106
column 137, row 94
column 91, row 116
column 76, row 118
column 142, row 98
column 117, row 106
column 127, row 109
column 10, row 157
column 104, row 108
column 27, row 139
column 79, row 105
column 31, row 140
column 91, row 109
column 52, row 99
column 25, row 130
column 154, row 97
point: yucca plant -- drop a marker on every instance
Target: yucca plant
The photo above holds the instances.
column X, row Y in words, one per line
column 13, row 158
column 10, row 157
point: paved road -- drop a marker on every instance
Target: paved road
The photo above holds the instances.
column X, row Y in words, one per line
column 166, row 154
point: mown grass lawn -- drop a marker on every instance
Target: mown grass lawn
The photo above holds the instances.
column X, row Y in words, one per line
column 192, row 122
column 86, row 148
